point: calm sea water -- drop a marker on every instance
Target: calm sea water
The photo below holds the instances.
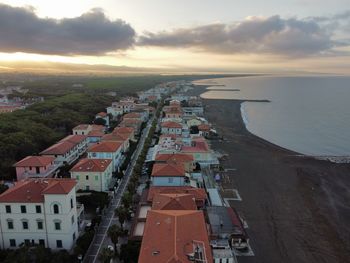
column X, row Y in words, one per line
column 310, row 115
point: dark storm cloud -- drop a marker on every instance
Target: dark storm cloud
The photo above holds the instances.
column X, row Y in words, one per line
column 272, row 35
column 92, row 33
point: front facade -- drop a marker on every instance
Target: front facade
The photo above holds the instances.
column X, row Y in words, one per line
column 40, row 211
column 107, row 150
column 36, row 166
column 169, row 175
column 93, row 174
column 68, row 149
column 171, row 128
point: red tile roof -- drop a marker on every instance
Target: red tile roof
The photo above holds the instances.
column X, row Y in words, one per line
column 171, row 124
column 130, row 121
column 61, row 147
column 32, row 190
column 126, row 130
column 91, row 165
column 35, row 161
column 198, row 146
column 105, row 146
column 96, row 133
column 204, row 127
column 166, row 169
column 76, row 139
column 171, row 235
column 115, row 137
column 198, row 193
column 174, row 202
column 174, row 157
column 97, row 127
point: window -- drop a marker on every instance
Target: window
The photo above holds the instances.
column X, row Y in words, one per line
column 37, row 170
column 55, row 209
column 77, row 176
column 72, row 219
column 42, row 242
column 12, row 242
column 10, row 224
column 71, row 203
column 38, row 209
column 87, row 188
column 87, row 177
column 59, row 243
column 27, row 242
column 57, row 225
column 73, row 236
column 170, row 180
column 23, row 209
column 8, row 209
column 25, row 224
column 94, row 154
column 96, row 177
column 40, row 224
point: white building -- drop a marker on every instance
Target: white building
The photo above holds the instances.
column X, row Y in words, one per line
column 107, row 150
column 40, row 211
column 68, row 149
column 171, row 127
column 93, row 174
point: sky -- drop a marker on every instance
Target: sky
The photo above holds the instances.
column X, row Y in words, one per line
column 183, row 35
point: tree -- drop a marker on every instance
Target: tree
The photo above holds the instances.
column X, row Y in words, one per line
column 105, row 255
column 127, row 199
column 114, row 232
column 100, row 121
column 122, row 214
column 129, row 252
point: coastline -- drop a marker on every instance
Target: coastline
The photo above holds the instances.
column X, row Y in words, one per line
column 294, row 204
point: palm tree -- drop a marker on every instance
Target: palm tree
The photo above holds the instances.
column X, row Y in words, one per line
column 105, row 255
column 114, row 232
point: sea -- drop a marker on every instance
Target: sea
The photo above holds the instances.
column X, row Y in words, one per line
column 307, row 114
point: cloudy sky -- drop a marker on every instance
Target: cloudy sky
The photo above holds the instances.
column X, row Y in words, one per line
column 182, row 35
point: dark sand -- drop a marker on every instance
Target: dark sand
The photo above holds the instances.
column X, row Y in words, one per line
column 297, row 208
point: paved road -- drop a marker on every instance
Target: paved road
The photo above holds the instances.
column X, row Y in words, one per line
column 101, row 239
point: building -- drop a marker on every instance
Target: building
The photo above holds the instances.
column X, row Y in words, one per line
column 165, row 174
column 104, row 116
column 186, row 159
column 199, row 194
column 36, row 166
column 40, row 211
column 171, row 127
column 132, row 123
column 175, row 236
column 82, row 129
column 115, row 110
column 174, row 202
column 204, row 130
column 107, row 150
column 193, row 122
column 125, row 131
column 122, row 138
column 93, row 174
column 67, row 150
column 141, row 115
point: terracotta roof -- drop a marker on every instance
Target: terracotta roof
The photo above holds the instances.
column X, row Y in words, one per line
column 115, row 137
column 120, row 130
column 199, row 146
column 171, row 235
column 166, row 169
column 204, row 127
column 81, row 127
column 174, row 202
column 61, row 147
column 130, row 121
column 105, row 146
column 198, row 193
column 171, row 124
column 174, row 157
column 101, row 114
column 35, row 161
column 96, row 133
column 97, row 127
column 32, row 190
column 91, row 165
column 76, row 139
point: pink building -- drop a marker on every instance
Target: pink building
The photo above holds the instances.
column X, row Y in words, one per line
column 36, row 166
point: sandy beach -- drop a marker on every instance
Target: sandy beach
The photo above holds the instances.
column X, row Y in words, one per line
column 297, row 208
